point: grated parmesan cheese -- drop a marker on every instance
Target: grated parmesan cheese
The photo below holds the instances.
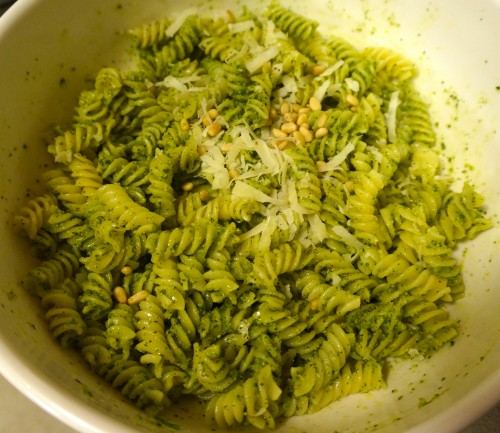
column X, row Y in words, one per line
column 320, row 92
column 214, row 168
column 256, row 62
column 348, row 238
column 334, row 162
column 329, row 71
column 179, row 83
column 244, row 190
column 318, row 229
column 352, row 84
column 174, row 27
column 241, row 26
column 391, row 116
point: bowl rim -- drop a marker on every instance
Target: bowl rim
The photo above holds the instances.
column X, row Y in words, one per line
column 68, row 408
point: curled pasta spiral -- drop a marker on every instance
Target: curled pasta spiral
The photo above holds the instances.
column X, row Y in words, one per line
column 94, row 346
column 360, row 377
column 415, row 116
column 86, row 175
column 306, row 180
column 323, row 364
column 64, row 188
column 137, row 383
column 437, row 327
column 151, row 339
column 189, row 240
column 210, row 369
column 289, row 22
column 323, row 296
column 251, row 401
column 162, row 193
column 223, row 208
column 168, row 285
column 178, row 48
column 120, row 208
column 118, row 251
column 460, row 215
column 381, row 332
column 257, row 107
column 48, row 275
column 287, row 257
column 150, row 34
column 127, row 173
column 96, row 294
column 84, row 137
column 222, row 47
column 220, row 282
column 62, row 314
column 394, row 65
column 409, row 278
column 361, row 208
column 120, row 328
column 31, row 217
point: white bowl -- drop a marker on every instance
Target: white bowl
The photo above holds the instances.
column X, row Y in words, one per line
column 49, row 47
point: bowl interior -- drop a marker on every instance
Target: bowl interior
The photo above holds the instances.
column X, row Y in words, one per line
column 54, row 48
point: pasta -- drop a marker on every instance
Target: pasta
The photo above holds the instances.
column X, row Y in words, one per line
column 255, row 215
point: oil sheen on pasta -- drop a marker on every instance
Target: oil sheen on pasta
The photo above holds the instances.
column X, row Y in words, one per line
column 255, row 215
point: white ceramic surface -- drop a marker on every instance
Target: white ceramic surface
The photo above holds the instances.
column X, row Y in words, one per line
column 19, row 414
column 454, row 42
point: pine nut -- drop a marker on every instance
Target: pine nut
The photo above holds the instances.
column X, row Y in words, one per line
column 233, row 173
column 201, row 150
column 321, row 132
column 307, row 133
column 320, row 165
column 296, row 107
column 278, row 133
column 138, row 297
column 230, row 16
column 318, row 70
column 188, row 186
column 213, row 113
column 322, row 120
column 351, row 99
column 120, row 295
column 289, row 127
column 126, row 270
column 206, row 121
column 314, row 304
column 304, row 110
column 285, row 108
column 349, row 185
column 282, row 145
column 226, row 147
column 314, row 104
column 290, row 117
column 204, row 195
column 267, row 67
column 214, row 129
column 301, row 119
column 297, row 135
